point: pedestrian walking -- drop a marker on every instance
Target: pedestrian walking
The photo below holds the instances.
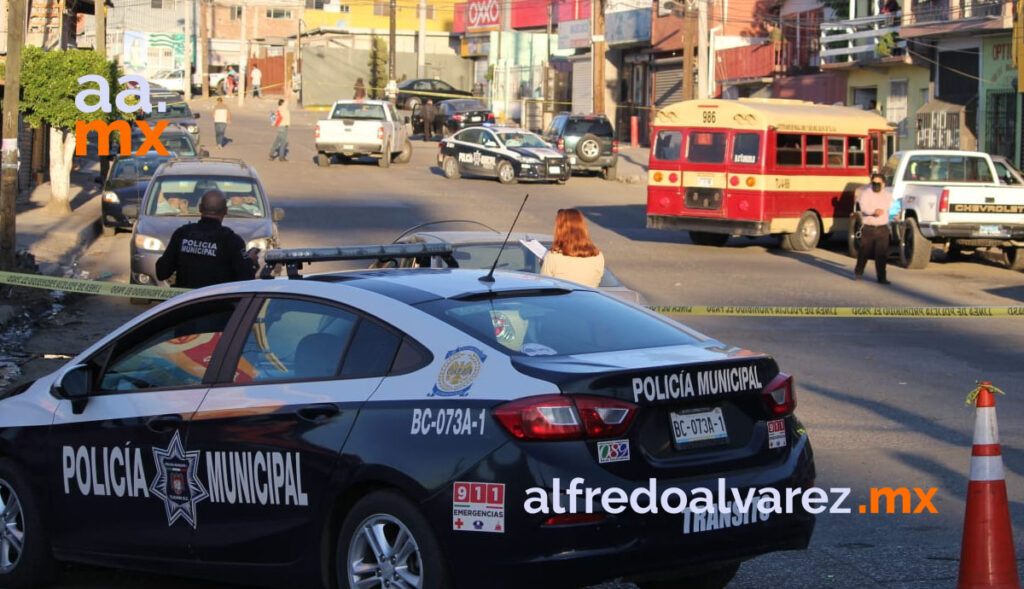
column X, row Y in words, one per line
column 429, row 113
column 572, row 255
column 230, row 82
column 221, row 120
column 207, row 252
column 874, row 199
column 282, row 119
column 391, row 91
column 360, row 89
column 257, row 81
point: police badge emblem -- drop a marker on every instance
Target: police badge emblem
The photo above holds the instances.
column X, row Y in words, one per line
column 460, row 368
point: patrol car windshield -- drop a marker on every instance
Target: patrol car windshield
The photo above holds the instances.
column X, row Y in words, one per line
column 521, row 140
column 178, row 196
column 138, row 166
column 576, row 322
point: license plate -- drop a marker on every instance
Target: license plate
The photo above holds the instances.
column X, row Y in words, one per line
column 554, row 170
column 704, row 182
column 990, row 230
column 698, row 426
column 474, row 119
column 349, row 147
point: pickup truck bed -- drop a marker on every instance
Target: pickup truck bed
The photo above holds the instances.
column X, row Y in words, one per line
column 363, row 127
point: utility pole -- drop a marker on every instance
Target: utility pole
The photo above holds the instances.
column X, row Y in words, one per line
column 597, row 55
column 243, row 54
column 688, row 38
column 9, row 150
column 100, row 45
column 546, row 95
column 421, row 42
column 393, row 12
column 204, row 49
column 702, row 49
column 189, row 8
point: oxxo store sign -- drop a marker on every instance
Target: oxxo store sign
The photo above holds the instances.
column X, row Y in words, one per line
column 483, row 15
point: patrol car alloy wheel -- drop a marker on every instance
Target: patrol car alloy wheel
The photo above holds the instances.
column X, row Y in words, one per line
column 506, row 173
column 589, row 148
column 25, row 558
column 450, row 167
column 386, row 542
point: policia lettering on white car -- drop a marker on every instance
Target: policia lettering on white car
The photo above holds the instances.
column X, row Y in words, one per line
column 234, row 478
column 709, row 382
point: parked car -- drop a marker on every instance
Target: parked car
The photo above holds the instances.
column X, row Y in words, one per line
column 588, row 140
column 505, row 153
column 175, row 138
column 363, row 127
column 478, row 250
column 412, row 93
column 178, row 113
column 173, row 80
column 172, row 199
column 454, row 115
column 124, row 185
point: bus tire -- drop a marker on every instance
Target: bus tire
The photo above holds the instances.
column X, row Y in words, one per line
column 807, row 235
column 916, row 250
column 712, row 239
column 852, row 240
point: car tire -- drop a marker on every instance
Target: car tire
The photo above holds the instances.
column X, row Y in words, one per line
column 1014, row 257
column 852, row 240
column 385, row 159
column 23, row 542
column 323, row 160
column 916, row 250
column 412, row 104
column 610, row 173
column 716, row 579
column 389, row 516
column 450, row 167
column 806, row 236
column 405, row 155
column 108, row 230
column 506, row 173
column 589, row 148
column 712, row 239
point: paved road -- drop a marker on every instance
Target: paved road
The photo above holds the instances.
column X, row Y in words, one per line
column 883, row 399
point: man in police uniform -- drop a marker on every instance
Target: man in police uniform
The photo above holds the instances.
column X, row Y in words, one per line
column 207, row 252
column 874, row 199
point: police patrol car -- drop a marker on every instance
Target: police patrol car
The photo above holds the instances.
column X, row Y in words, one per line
column 395, row 428
column 505, row 153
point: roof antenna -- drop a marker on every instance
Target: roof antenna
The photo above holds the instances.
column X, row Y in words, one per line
column 490, row 275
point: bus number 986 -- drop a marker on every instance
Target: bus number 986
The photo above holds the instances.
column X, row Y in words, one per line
column 709, row 116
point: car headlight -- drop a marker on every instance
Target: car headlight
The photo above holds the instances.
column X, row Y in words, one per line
column 111, row 197
column 192, row 129
column 145, row 242
column 263, row 244
column 531, row 160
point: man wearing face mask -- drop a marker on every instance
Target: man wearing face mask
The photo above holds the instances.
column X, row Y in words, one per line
column 874, row 199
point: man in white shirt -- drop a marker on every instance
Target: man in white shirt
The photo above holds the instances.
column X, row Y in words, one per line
column 257, row 80
column 221, row 120
column 874, row 199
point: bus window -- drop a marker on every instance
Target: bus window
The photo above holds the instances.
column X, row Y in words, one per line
column 706, row 147
column 745, row 148
column 788, row 150
column 815, row 150
column 876, row 155
column 668, row 145
column 855, row 156
column 835, row 152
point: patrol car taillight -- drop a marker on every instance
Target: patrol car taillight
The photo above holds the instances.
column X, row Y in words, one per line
column 944, row 201
column 778, row 395
column 458, row 117
column 557, row 417
column 561, row 145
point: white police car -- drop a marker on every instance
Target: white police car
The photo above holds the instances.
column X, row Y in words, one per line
column 505, row 153
column 405, row 428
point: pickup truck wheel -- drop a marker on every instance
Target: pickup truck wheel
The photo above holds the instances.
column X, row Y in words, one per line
column 807, row 235
column 506, row 173
column 1014, row 257
column 916, row 250
column 405, row 155
column 385, row 159
column 712, row 239
column 323, row 160
column 450, row 167
column 853, row 235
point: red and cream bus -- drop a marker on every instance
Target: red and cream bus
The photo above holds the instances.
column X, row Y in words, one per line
column 760, row 166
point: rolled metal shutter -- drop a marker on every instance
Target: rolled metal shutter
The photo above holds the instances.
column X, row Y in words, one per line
column 668, row 84
column 582, row 86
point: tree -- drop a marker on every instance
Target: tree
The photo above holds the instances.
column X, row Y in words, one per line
column 49, row 83
column 378, row 67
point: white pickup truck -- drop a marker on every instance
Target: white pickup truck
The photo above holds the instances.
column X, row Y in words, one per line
column 954, row 199
column 363, row 127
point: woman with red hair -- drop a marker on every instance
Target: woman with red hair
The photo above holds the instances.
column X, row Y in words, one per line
column 572, row 255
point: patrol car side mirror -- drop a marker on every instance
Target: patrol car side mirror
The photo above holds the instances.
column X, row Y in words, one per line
column 130, row 211
column 278, row 215
column 74, row 386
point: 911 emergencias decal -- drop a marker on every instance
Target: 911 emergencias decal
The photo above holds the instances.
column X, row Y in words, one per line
column 478, row 507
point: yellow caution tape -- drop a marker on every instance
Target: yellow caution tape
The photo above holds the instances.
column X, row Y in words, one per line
column 114, row 289
column 973, row 395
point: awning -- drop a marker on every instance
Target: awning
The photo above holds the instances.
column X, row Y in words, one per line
column 939, row 106
column 951, row 27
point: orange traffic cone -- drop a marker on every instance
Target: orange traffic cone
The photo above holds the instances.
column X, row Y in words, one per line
column 986, row 556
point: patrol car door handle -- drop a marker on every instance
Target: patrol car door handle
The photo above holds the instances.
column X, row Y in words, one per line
column 318, row 413
column 164, row 423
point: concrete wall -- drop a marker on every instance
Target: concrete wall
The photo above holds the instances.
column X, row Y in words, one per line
column 879, row 79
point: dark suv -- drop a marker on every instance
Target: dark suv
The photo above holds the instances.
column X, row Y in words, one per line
column 588, row 140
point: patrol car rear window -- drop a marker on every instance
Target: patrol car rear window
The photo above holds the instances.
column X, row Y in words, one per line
column 576, row 322
column 178, row 196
